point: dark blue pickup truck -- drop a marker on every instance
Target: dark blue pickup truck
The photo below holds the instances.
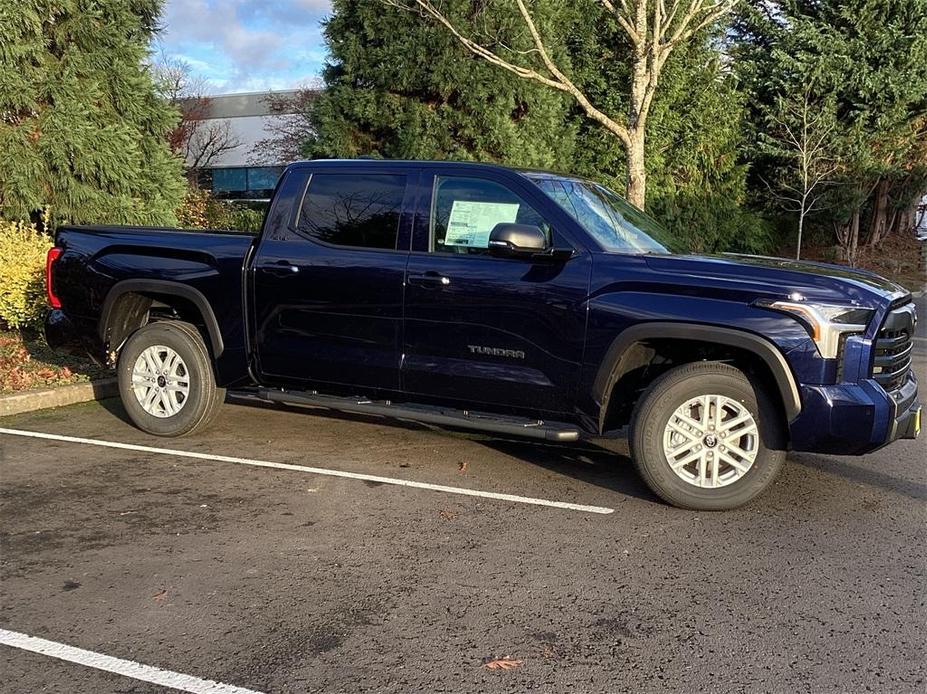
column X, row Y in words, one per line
column 515, row 302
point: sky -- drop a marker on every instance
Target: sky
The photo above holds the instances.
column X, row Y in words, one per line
column 246, row 45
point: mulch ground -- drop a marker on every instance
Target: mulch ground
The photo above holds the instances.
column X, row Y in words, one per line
column 27, row 363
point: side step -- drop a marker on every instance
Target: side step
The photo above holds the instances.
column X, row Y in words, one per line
column 462, row 419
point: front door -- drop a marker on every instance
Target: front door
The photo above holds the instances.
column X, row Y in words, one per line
column 328, row 288
column 486, row 331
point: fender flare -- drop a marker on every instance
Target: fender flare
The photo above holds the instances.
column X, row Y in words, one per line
column 169, row 288
column 611, row 368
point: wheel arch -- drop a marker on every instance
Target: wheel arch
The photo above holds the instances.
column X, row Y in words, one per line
column 129, row 302
column 636, row 347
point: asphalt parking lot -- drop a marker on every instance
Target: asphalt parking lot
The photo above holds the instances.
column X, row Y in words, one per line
column 288, row 580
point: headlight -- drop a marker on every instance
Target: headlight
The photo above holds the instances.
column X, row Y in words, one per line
column 827, row 323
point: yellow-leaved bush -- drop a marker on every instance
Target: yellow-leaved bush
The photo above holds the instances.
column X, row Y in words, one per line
column 22, row 274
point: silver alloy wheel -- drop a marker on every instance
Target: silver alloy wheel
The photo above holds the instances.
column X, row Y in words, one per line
column 161, row 381
column 711, row 441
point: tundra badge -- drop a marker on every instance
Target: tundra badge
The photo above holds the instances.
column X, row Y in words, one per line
column 497, row 351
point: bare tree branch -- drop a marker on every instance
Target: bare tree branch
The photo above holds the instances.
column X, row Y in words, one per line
column 557, row 81
column 197, row 138
column 802, row 132
column 653, row 27
column 290, row 127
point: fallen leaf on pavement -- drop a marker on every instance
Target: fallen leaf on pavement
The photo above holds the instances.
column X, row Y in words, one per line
column 448, row 515
column 160, row 595
column 462, row 467
column 503, row 663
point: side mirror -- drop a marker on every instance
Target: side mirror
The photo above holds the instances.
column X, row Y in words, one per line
column 516, row 240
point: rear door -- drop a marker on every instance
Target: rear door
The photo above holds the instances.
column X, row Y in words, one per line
column 328, row 283
column 482, row 330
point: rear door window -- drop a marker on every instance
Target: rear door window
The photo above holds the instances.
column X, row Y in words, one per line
column 358, row 210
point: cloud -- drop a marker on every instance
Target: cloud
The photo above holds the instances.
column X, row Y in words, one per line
column 246, row 45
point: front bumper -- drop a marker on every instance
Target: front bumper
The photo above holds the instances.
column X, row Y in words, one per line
column 853, row 419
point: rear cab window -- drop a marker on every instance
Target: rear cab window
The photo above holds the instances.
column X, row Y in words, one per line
column 358, row 210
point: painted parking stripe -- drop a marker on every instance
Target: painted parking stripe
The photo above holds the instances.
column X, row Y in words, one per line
column 313, row 470
column 126, row 668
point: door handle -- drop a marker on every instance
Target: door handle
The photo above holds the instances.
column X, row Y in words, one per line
column 430, row 279
column 281, row 268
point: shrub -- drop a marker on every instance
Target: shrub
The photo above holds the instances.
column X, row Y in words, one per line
column 192, row 211
column 200, row 210
column 22, row 274
column 248, row 219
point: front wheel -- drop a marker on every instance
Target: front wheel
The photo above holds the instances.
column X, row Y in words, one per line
column 166, row 381
column 704, row 437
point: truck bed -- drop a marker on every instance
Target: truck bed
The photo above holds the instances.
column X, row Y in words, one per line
column 131, row 259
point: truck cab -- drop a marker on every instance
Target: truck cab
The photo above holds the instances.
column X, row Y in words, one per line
column 517, row 302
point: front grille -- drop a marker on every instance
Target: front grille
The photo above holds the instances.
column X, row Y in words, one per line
column 893, row 347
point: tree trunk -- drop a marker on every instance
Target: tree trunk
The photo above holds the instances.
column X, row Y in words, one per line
column 905, row 222
column 637, row 173
column 879, row 224
column 848, row 237
column 852, row 245
column 801, row 226
column 636, row 191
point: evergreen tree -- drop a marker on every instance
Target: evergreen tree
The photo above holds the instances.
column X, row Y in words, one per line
column 868, row 58
column 398, row 87
column 82, row 129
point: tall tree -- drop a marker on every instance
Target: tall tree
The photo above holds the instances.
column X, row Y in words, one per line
column 654, row 29
column 82, row 128
column 398, row 87
column 802, row 135
column 868, row 56
column 696, row 180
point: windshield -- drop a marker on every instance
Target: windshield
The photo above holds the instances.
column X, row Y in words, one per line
column 614, row 223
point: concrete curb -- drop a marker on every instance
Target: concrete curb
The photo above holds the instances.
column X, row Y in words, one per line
column 16, row 403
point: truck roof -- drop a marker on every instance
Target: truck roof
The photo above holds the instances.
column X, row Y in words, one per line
column 418, row 163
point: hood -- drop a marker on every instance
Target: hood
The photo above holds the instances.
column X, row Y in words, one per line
column 777, row 278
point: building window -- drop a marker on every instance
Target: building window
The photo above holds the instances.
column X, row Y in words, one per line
column 241, row 182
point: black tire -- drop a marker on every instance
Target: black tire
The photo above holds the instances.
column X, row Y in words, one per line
column 201, row 403
column 674, row 389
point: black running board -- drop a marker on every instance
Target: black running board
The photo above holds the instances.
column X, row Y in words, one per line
column 461, row 419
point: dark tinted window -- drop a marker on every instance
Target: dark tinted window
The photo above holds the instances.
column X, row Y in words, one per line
column 353, row 210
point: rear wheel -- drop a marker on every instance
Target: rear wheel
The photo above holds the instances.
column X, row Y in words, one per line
column 705, row 437
column 166, row 380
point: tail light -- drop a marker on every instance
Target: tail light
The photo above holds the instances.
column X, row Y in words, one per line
column 50, row 259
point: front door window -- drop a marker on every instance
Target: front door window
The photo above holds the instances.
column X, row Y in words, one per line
column 464, row 212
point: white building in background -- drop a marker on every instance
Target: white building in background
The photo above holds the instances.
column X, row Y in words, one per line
column 243, row 172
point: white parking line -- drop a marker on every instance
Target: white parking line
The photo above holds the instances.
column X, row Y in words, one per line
column 126, row 668
column 314, row 470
